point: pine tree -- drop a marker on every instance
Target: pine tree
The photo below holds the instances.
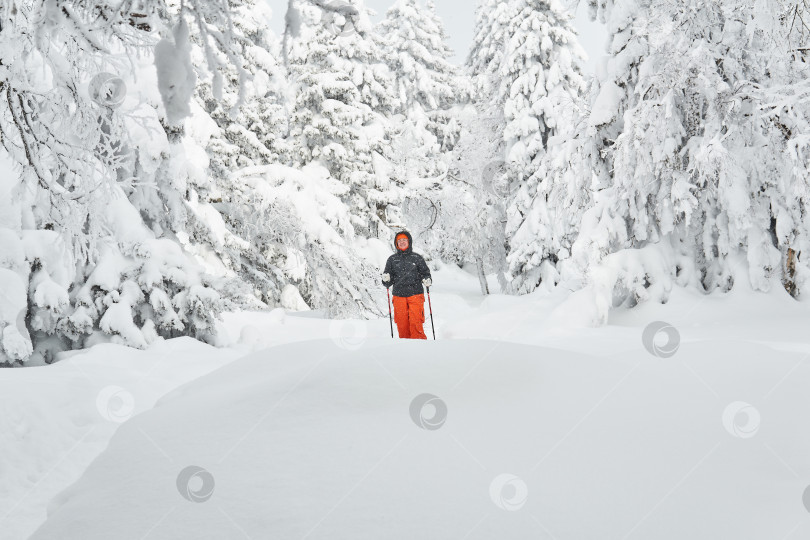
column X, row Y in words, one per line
column 344, row 100
column 525, row 61
column 486, row 54
column 540, row 81
column 258, row 127
column 545, row 219
column 427, row 84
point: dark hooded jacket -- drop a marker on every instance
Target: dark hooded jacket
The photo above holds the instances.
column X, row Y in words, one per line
column 407, row 270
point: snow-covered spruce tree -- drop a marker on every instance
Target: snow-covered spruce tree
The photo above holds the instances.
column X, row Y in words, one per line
column 541, row 85
column 414, row 148
column 525, row 64
column 544, row 219
column 486, row 54
column 443, row 121
column 344, row 100
column 785, row 106
column 708, row 171
column 540, row 81
column 428, row 85
column 79, row 266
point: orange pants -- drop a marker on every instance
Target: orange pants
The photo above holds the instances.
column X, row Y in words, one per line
column 409, row 314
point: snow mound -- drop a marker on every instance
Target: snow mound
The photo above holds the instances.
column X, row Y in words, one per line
column 373, row 439
column 56, row 419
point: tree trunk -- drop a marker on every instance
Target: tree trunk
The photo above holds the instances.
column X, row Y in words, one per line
column 790, row 273
column 482, row 278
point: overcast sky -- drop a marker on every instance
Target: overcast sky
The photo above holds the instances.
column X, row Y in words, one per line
column 459, row 21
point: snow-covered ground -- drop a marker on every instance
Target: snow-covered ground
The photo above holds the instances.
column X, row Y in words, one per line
column 309, row 428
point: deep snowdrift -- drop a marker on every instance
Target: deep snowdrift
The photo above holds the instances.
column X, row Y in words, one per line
column 313, row 440
column 54, row 420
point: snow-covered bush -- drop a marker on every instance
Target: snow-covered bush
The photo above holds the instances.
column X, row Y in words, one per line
column 15, row 341
column 136, row 289
column 302, row 225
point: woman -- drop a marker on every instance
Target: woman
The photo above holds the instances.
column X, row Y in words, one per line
column 407, row 272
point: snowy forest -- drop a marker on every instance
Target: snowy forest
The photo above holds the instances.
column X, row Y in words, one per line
column 588, row 227
column 165, row 161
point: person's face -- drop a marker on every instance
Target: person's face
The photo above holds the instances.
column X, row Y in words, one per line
column 402, row 243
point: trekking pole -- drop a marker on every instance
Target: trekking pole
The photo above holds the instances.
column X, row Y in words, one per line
column 431, row 315
column 388, row 293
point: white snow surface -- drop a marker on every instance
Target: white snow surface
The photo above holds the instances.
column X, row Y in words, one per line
column 301, row 427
